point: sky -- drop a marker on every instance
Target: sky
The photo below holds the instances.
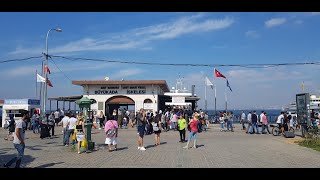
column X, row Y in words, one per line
column 170, row 37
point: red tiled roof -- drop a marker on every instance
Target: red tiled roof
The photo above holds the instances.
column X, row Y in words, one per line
column 162, row 83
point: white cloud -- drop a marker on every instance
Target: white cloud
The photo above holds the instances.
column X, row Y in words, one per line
column 252, row 34
column 275, row 22
column 138, row 37
column 315, row 13
column 298, row 22
column 126, row 73
column 223, row 46
column 30, row 70
column 20, row 71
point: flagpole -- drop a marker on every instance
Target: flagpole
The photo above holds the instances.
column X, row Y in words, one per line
column 215, row 99
column 215, row 94
column 226, row 100
column 36, row 84
column 41, row 84
column 205, row 95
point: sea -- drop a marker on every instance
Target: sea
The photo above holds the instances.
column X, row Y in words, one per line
column 272, row 114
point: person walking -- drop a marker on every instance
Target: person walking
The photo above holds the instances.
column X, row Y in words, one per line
column 111, row 129
column 57, row 116
column 101, row 119
column 71, row 125
column 182, row 123
column 51, row 123
column 64, row 123
column 265, row 123
column 254, row 119
column 18, row 140
column 80, row 132
column 249, row 119
column 194, row 130
column 243, row 120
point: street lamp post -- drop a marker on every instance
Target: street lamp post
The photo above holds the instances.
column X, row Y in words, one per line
column 45, row 73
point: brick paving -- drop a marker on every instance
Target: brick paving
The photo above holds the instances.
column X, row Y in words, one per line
column 215, row 149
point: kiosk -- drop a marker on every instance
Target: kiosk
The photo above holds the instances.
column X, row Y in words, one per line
column 14, row 106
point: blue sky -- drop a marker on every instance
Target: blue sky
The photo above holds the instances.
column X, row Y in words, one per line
column 206, row 38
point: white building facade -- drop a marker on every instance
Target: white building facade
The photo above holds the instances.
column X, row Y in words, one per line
column 126, row 95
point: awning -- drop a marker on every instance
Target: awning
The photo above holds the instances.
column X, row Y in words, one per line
column 178, row 104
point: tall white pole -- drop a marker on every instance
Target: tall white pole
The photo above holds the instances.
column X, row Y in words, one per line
column 215, row 99
column 225, row 93
column 205, row 95
column 45, row 73
column 45, row 77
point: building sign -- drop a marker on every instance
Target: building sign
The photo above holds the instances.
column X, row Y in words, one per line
column 147, row 105
column 106, row 92
column 136, row 91
column 302, row 102
column 33, row 101
column 22, row 101
column 178, row 99
column 118, row 91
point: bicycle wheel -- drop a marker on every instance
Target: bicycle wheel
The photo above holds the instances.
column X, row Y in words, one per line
column 275, row 131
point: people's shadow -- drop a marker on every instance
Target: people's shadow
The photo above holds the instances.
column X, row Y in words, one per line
column 48, row 165
column 122, row 148
column 4, row 158
column 201, row 145
column 150, row 146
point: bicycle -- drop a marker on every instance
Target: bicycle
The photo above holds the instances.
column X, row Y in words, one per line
column 276, row 131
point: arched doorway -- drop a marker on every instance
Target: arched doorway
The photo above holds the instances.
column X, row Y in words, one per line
column 148, row 104
column 116, row 102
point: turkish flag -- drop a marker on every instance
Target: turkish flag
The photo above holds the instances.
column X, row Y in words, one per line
column 49, row 83
column 46, row 69
column 218, row 74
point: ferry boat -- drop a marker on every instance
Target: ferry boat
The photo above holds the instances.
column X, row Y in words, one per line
column 314, row 104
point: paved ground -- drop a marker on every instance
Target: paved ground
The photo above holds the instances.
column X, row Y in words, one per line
column 215, row 149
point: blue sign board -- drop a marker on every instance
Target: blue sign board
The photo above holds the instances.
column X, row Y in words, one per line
column 22, row 101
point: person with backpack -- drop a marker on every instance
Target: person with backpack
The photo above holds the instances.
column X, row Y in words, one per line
column 111, row 130
column 194, row 130
column 156, row 128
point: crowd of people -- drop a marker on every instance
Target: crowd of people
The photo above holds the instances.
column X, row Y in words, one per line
column 146, row 123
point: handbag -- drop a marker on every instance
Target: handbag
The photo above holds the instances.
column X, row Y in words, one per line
column 6, row 125
column 84, row 143
column 155, row 126
column 80, row 136
column 74, row 137
column 112, row 132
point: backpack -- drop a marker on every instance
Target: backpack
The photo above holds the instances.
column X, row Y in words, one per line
column 155, row 126
column 11, row 126
column 199, row 127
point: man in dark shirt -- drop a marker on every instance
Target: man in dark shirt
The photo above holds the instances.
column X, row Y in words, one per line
column 254, row 119
column 141, row 122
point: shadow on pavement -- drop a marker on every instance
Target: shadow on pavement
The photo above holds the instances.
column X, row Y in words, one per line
column 5, row 150
column 201, row 145
column 7, row 157
column 122, row 148
column 48, row 165
column 150, row 146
